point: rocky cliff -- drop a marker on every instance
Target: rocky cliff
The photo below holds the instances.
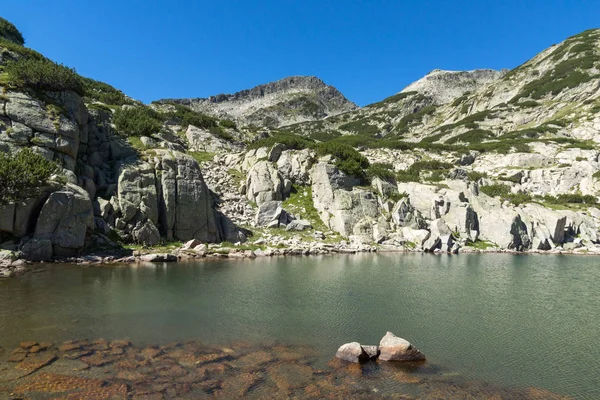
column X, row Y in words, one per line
column 286, row 101
column 457, row 161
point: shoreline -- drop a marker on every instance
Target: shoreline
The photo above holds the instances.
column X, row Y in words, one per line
column 20, row 267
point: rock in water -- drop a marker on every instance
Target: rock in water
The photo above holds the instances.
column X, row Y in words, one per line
column 352, row 352
column 372, row 351
column 393, row 348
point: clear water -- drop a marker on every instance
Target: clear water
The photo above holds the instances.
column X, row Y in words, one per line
column 505, row 319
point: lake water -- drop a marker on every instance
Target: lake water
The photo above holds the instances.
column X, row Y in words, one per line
column 519, row 321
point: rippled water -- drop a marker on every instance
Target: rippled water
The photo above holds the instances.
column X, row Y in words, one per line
column 505, row 319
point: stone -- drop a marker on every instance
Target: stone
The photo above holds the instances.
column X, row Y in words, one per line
column 264, row 183
column 191, row 244
column 372, row 351
column 37, row 250
column 65, row 219
column 298, row 225
column 352, row 352
column 158, row 258
column 393, row 348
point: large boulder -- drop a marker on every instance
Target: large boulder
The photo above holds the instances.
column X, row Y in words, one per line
column 344, row 208
column 295, row 165
column 185, row 204
column 394, row 348
column 64, row 220
column 405, row 215
column 202, row 140
column 166, row 196
column 264, row 183
column 271, row 214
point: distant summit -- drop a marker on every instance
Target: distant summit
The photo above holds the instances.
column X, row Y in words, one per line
column 286, row 101
column 444, row 86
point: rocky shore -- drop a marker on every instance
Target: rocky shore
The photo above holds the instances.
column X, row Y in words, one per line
column 120, row 369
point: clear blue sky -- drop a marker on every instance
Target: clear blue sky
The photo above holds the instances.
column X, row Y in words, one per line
column 368, row 49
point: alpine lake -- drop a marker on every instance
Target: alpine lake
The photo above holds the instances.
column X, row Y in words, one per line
column 498, row 326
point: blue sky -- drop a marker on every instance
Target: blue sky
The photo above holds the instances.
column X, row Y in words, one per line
column 369, row 49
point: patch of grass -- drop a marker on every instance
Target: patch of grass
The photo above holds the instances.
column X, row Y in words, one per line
column 481, row 245
column 201, row 156
column 495, row 190
column 300, row 203
column 470, row 121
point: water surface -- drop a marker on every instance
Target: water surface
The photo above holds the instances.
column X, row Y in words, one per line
column 505, row 319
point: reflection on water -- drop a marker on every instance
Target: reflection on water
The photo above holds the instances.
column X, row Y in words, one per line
column 505, row 319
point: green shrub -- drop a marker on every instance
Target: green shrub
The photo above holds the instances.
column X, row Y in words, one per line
column 472, row 136
column 43, row 75
column 495, row 190
column 290, row 141
column 571, row 198
column 10, row 32
column 412, row 173
column 347, row 159
column 227, row 123
column 104, row 93
column 21, row 50
column 414, row 118
column 596, row 175
column 22, row 174
column 384, row 171
column 361, row 127
column 475, row 176
column 137, row 121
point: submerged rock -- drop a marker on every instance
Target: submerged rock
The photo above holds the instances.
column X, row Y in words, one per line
column 394, row 348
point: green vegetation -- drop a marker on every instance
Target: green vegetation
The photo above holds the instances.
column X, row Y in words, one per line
column 361, row 127
column 412, row 173
column 137, row 121
column 300, row 203
column 503, row 191
column 10, row 32
column 459, row 100
column 415, row 118
column 227, row 123
column 43, row 74
column 472, row 136
column 596, row 175
column 469, row 122
column 289, row 140
column 104, row 93
column 570, row 198
column 383, row 171
column 22, row 174
column 481, row 245
column 475, row 176
column 201, row 156
column 347, row 159
column 393, row 99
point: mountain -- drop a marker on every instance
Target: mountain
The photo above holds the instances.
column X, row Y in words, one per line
column 456, row 161
column 289, row 100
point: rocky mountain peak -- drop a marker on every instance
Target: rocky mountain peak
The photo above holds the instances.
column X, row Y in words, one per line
column 282, row 102
column 444, row 86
